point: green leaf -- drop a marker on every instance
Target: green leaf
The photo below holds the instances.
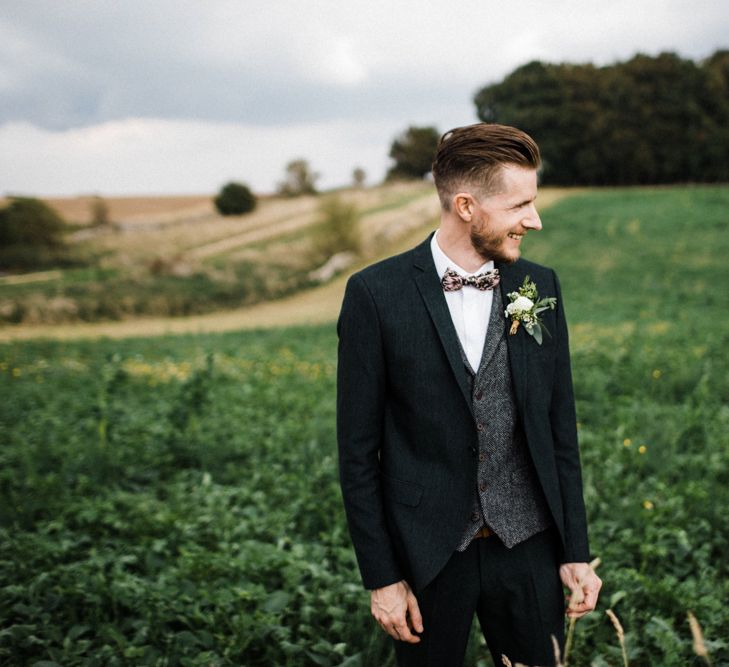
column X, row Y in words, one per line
column 615, row 598
column 276, row 602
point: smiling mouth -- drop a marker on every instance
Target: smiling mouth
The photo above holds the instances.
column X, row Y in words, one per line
column 517, row 237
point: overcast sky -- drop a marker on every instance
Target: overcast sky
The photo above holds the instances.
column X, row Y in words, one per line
column 162, row 96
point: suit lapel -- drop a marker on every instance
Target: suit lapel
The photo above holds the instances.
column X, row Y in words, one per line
column 494, row 331
column 511, row 279
column 431, row 290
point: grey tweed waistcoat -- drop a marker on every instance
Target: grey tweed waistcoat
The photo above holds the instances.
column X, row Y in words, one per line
column 507, row 497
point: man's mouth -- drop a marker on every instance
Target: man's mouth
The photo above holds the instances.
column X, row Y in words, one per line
column 517, row 237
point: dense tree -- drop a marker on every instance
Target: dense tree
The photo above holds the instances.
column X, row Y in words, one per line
column 359, row 176
column 235, row 199
column 413, row 152
column 99, row 212
column 31, row 234
column 659, row 119
column 299, row 179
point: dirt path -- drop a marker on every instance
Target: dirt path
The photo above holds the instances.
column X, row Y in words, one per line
column 314, row 306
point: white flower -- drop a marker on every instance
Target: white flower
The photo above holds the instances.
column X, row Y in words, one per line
column 521, row 304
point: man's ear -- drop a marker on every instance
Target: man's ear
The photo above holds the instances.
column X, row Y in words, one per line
column 463, row 205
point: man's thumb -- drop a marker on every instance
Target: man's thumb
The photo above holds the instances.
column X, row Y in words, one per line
column 414, row 610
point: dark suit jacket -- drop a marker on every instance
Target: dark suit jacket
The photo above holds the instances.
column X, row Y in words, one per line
column 405, row 427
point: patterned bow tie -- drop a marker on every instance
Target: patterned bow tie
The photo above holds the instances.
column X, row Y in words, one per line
column 452, row 281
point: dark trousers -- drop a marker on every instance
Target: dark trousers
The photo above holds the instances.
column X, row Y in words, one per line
column 516, row 593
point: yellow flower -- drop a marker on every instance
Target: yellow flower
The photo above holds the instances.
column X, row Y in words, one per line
column 627, row 442
column 656, row 374
column 16, row 372
column 647, row 504
column 642, row 449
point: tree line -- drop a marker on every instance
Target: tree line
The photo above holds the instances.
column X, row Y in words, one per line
column 662, row 119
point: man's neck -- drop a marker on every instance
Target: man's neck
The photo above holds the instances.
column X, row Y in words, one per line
column 456, row 243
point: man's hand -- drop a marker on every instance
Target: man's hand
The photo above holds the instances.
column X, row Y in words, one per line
column 584, row 585
column 396, row 610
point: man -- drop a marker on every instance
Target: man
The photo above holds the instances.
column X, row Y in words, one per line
column 458, row 451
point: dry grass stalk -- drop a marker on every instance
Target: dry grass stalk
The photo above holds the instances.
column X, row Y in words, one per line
column 620, row 632
column 557, row 653
column 698, row 635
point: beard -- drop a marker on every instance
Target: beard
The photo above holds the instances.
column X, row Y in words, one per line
column 491, row 245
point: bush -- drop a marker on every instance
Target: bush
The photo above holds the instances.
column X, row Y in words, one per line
column 235, row 199
column 100, row 216
column 28, row 221
column 339, row 230
column 31, row 234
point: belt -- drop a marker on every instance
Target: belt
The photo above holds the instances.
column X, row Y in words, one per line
column 484, row 532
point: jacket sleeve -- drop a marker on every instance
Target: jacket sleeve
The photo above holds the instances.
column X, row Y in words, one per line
column 361, row 386
column 564, row 434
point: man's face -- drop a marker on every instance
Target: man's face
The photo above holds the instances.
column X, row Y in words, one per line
column 502, row 219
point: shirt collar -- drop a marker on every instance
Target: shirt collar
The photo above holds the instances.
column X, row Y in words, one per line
column 443, row 262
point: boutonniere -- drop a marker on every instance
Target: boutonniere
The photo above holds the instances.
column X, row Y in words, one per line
column 525, row 307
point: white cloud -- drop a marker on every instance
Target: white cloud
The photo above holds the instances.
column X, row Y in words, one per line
column 178, row 94
column 168, row 156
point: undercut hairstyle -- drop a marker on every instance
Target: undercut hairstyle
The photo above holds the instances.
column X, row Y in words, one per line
column 470, row 159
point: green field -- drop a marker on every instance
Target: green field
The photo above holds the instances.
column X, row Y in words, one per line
column 174, row 501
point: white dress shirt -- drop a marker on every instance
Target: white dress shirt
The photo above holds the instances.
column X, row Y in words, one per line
column 470, row 307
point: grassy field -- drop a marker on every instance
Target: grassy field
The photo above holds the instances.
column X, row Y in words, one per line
column 174, row 257
column 174, row 501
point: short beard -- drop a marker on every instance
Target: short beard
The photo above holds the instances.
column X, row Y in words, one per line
column 488, row 246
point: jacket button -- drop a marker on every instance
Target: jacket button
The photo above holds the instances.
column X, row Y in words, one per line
column 475, row 516
column 479, row 395
column 482, row 487
column 482, row 457
column 480, row 426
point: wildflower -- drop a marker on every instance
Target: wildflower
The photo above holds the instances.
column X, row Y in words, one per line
column 627, row 442
column 642, row 449
column 656, row 374
column 647, row 504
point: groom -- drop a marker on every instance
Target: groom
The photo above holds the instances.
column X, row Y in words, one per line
column 458, row 453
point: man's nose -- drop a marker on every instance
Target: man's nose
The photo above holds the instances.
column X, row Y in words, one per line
column 532, row 219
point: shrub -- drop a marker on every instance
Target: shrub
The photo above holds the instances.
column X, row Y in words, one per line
column 339, row 230
column 28, row 221
column 235, row 199
column 31, row 234
column 99, row 212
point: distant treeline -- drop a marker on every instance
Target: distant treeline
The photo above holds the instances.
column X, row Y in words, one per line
column 660, row 119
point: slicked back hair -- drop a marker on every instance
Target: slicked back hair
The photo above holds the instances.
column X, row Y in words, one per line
column 470, row 159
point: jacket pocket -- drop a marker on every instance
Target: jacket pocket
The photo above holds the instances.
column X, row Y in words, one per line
column 400, row 491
